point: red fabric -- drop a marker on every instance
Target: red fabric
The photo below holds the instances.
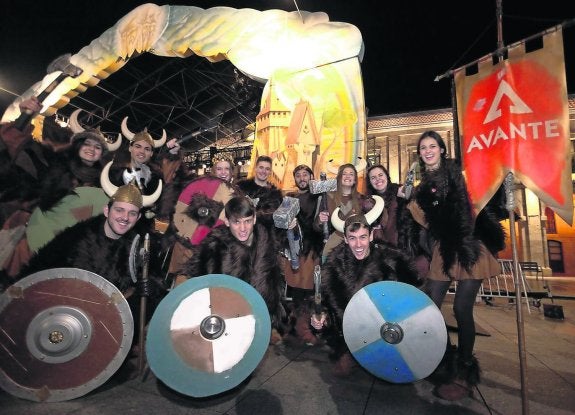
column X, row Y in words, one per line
column 514, row 117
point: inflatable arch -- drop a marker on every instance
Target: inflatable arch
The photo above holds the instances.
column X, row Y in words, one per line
column 312, row 107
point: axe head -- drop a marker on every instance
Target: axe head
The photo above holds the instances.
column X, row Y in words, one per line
column 322, row 186
column 286, row 212
column 63, row 64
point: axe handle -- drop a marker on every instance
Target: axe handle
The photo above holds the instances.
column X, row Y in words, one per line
column 317, row 294
column 324, row 208
column 25, row 117
column 293, row 249
column 143, row 304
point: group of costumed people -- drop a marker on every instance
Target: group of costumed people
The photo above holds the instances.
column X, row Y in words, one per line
column 429, row 239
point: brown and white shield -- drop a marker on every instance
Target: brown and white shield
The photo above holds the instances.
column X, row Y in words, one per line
column 63, row 333
column 208, row 335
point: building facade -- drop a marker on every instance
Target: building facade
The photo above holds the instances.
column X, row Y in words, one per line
column 541, row 236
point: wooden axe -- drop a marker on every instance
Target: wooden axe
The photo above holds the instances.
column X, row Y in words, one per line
column 61, row 63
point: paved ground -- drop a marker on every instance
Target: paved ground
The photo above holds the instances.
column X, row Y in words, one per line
column 297, row 379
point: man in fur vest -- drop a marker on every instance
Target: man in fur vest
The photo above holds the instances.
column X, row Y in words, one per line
column 244, row 249
column 300, row 282
column 102, row 245
column 350, row 267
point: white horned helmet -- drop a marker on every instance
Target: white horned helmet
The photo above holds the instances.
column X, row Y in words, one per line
column 111, row 189
column 370, row 216
column 143, row 135
column 81, row 132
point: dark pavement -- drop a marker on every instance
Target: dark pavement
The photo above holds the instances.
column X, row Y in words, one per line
column 296, row 379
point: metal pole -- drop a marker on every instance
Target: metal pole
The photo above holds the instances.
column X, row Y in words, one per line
column 510, row 205
column 516, row 271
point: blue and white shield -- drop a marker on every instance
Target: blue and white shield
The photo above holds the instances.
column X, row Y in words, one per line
column 395, row 331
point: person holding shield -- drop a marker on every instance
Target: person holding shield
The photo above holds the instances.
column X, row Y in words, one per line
column 351, row 266
column 223, row 167
column 245, row 249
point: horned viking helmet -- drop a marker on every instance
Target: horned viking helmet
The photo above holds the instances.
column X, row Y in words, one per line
column 143, row 135
column 95, row 133
column 370, row 216
column 128, row 192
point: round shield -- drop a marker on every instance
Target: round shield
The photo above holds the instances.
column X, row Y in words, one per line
column 83, row 204
column 208, row 335
column 64, row 332
column 200, row 207
column 395, row 331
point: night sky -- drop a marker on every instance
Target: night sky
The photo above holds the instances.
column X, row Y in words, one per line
column 407, row 43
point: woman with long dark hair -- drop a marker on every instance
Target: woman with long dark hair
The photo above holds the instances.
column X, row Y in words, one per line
column 460, row 252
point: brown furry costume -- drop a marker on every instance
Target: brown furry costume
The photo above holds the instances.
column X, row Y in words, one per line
column 270, row 198
column 343, row 275
column 443, row 198
column 221, row 253
column 86, row 246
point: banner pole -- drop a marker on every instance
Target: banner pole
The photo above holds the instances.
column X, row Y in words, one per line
column 510, row 205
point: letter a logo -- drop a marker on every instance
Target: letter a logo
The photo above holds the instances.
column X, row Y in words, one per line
column 518, row 106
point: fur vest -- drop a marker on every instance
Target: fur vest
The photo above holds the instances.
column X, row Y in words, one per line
column 442, row 195
column 221, row 253
column 86, row 246
column 343, row 275
column 270, row 198
column 386, row 226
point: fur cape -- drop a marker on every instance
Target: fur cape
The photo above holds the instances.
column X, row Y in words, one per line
column 270, row 198
column 23, row 164
column 343, row 275
column 387, row 222
column 442, row 195
column 86, row 246
column 221, row 253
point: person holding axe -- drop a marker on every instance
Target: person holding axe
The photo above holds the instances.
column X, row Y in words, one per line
column 140, row 165
column 102, row 245
column 390, row 226
column 350, row 267
column 347, row 198
column 300, row 281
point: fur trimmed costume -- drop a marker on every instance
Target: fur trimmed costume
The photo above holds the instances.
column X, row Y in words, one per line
column 86, row 246
column 464, row 246
column 257, row 264
column 270, row 198
column 343, row 275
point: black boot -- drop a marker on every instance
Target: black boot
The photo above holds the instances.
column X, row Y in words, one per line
column 468, row 375
column 447, row 368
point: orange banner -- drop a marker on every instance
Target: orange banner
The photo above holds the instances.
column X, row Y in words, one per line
column 514, row 117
